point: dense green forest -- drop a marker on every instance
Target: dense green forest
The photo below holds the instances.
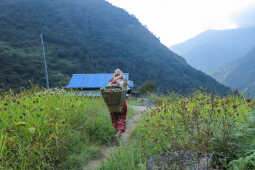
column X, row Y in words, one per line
column 239, row 74
column 86, row 36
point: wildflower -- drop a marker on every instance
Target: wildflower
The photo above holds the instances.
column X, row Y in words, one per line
column 11, row 141
column 235, row 106
column 228, row 100
column 236, row 92
column 248, row 100
column 36, row 145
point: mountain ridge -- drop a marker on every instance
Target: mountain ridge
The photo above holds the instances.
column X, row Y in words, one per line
column 213, row 49
column 240, row 74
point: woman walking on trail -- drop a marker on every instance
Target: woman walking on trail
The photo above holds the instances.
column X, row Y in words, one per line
column 119, row 118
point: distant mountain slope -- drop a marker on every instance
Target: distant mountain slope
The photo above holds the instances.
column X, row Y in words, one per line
column 215, row 48
column 240, row 74
column 87, row 36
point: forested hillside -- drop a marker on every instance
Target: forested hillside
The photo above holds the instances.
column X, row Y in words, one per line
column 239, row 74
column 215, row 48
column 86, row 36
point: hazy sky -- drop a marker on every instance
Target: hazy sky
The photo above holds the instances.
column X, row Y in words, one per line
column 174, row 21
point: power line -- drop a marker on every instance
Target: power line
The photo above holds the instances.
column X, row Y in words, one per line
column 45, row 63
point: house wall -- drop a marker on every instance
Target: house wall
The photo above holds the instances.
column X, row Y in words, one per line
column 94, row 93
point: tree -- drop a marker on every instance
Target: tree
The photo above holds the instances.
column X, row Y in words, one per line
column 147, row 87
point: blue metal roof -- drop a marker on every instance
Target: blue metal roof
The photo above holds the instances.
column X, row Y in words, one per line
column 91, row 80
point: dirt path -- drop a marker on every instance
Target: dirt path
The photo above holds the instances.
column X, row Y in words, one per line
column 133, row 122
column 106, row 151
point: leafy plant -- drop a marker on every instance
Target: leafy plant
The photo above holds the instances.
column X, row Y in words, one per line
column 245, row 157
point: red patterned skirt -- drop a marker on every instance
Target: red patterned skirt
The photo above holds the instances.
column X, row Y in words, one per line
column 119, row 119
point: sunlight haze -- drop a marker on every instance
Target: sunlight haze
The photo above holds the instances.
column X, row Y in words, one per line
column 174, row 21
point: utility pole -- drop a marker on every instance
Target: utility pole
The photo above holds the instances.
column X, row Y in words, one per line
column 44, row 61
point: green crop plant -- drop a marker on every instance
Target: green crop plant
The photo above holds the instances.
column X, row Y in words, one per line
column 40, row 129
column 200, row 123
column 245, row 138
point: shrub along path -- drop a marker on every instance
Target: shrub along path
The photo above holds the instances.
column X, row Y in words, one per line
column 106, row 151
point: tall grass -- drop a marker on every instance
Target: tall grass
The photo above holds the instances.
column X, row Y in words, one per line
column 134, row 102
column 200, row 123
column 42, row 130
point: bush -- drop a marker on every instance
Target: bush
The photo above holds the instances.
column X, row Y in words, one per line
column 147, row 87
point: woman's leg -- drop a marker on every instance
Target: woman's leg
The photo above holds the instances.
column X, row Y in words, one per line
column 122, row 118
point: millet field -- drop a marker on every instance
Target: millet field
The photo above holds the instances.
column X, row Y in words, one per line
column 201, row 131
column 43, row 129
column 52, row 130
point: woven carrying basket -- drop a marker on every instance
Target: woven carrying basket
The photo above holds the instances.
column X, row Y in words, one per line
column 114, row 98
